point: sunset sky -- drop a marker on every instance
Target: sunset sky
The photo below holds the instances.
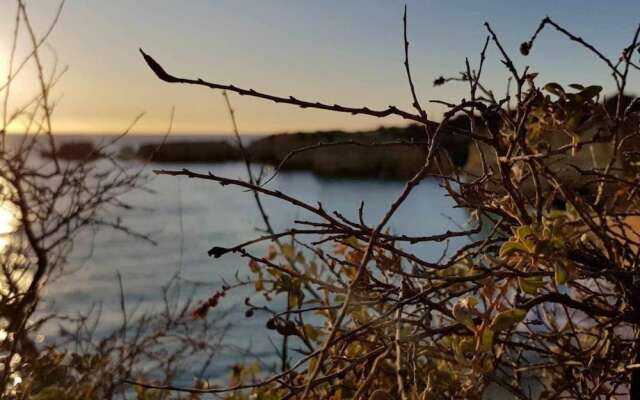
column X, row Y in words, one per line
column 335, row 51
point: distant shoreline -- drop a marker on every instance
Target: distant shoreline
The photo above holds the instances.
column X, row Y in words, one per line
column 359, row 155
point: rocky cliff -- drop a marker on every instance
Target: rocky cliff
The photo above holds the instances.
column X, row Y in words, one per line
column 359, row 157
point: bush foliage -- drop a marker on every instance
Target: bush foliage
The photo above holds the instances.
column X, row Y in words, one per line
column 540, row 302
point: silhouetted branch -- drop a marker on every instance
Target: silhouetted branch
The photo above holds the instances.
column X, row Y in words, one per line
column 391, row 110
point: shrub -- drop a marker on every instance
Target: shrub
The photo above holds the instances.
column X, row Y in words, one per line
column 544, row 304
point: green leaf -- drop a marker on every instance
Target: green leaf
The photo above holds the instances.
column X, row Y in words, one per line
column 556, row 214
column 575, row 140
column 486, row 341
column 53, row 393
column 544, row 247
column 487, row 365
column 458, row 348
column 295, row 298
column 312, row 332
column 379, row 394
column 467, row 345
column 523, row 232
column 462, row 314
column 353, row 242
column 530, row 285
column 285, row 282
column 554, row 88
column 561, row 274
column 576, row 86
column 507, row 319
column 590, row 92
column 511, row 246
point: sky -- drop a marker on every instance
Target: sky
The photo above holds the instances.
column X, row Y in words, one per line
column 334, row 51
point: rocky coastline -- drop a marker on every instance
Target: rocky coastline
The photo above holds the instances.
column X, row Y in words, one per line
column 348, row 154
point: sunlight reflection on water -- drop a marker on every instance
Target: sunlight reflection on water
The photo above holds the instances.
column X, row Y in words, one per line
column 12, row 277
column 8, row 226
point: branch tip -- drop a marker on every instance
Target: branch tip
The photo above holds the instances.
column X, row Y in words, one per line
column 157, row 68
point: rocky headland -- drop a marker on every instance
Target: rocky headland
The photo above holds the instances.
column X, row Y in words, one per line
column 338, row 153
column 349, row 154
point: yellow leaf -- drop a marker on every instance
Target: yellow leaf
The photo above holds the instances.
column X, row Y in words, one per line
column 288, row 251
column 312, row 269
column 254, row 266
column 259, row 284
column 353, row 241
column 272, row 252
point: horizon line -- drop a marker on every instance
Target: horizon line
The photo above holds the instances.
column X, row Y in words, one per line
column 205, row 133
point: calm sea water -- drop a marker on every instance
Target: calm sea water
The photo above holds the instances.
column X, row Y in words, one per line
column 187, row 217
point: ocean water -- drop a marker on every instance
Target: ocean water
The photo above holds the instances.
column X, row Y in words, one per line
column 186, row 217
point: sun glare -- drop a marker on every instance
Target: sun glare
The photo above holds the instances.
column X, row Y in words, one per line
column 7, row 220
column 7, row 226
